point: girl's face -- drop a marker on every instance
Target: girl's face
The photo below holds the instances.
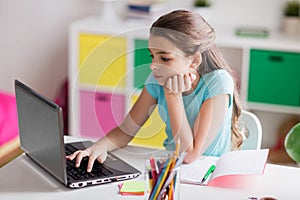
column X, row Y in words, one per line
column 167, row 59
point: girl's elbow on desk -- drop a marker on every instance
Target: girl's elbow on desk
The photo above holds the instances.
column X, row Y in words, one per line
column 191, row 155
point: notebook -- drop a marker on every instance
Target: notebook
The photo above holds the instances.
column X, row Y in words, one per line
column 42, row 139
column 209, row 170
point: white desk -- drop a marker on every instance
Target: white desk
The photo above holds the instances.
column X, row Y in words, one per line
column 23, row 179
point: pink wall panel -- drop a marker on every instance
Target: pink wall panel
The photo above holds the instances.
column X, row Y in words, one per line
column 8, row 118
column 100, row 112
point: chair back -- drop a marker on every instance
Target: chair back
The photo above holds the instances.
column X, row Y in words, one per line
column 252, row 129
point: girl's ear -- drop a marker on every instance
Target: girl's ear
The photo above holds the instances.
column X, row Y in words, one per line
column 196, row 60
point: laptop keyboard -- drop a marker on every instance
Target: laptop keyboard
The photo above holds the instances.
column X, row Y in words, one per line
column 80, row 173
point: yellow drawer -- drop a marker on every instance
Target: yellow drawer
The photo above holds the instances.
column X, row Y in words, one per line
column 152, row 134
column 102, row 60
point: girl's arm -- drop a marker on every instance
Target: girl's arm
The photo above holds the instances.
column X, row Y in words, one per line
column 133, row 121
column 181, row 129
column 207, row 125
column 194, row 140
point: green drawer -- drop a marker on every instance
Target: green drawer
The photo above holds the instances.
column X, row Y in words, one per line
column 274, row 77
column 142, row 61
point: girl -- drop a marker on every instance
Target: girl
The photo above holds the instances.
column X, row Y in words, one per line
column 193, row 86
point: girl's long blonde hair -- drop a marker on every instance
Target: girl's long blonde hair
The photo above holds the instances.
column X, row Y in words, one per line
column 191, row 33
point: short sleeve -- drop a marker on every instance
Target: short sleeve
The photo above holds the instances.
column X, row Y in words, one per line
column 219, row 82
column 152, row 86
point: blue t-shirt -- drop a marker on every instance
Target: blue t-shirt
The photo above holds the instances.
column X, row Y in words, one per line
column 211, row 84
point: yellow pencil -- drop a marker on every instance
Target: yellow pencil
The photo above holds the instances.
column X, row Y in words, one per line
column 177, row 148
column 161, row 179
column 170, row 192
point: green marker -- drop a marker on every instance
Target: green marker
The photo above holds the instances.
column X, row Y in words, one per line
column 209, row 171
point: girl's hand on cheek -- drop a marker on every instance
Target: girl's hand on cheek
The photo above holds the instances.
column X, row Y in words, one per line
column 180, row 83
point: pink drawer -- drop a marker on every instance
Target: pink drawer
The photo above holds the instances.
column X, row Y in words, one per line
column 100, row 112
column 9, row 129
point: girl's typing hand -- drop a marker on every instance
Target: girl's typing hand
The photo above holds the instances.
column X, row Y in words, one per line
column 94, row 152
column 180, row 83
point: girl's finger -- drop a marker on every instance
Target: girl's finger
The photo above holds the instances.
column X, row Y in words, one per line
column 92, row 159
column 181, row 84
column 187, row 82
column 72, row 156
column 79, row 157
column 175, row 84
column 102, row 157
column 169, row 84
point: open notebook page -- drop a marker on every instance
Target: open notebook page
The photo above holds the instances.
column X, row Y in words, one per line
column 243, row 162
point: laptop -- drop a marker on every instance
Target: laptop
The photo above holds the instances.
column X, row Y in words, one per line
column 42, row 139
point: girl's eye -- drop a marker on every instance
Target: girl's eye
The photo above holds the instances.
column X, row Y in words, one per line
column 164, row 59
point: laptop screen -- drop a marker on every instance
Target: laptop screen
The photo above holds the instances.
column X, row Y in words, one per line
column 41, row 130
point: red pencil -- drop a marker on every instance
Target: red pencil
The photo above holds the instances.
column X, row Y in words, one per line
column 154, row 170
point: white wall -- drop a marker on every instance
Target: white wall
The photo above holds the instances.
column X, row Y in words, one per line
column 33, row 41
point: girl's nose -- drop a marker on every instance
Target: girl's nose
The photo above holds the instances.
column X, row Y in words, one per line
column 153, row 67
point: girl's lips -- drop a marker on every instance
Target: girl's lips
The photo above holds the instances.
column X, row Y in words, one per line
column 156, row 76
